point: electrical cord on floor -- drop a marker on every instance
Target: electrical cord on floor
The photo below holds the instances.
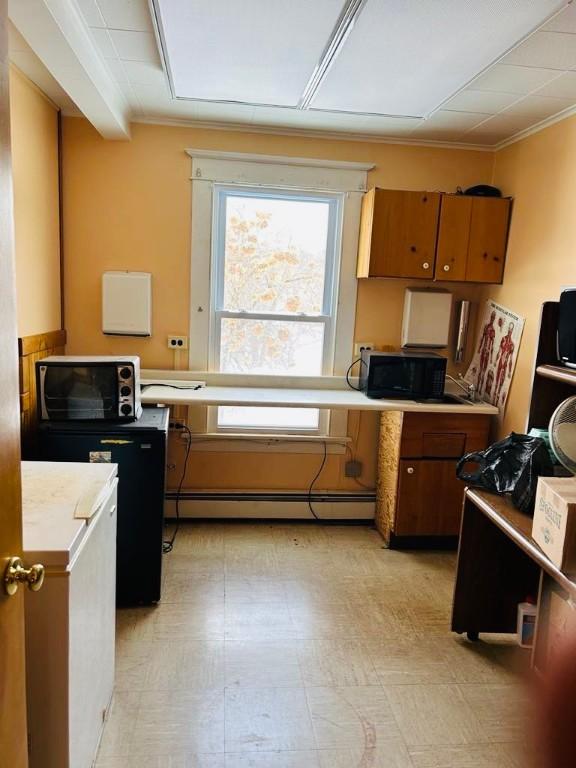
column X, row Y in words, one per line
column 316, row 476
column 358, row 389
column 168, row 544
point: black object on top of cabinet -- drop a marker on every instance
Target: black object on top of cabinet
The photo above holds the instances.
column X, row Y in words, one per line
column 139, row 449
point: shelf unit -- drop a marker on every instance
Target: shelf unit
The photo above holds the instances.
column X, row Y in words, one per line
column 551, row 383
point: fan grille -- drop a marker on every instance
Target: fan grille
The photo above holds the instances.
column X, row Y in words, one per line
column 563, row 433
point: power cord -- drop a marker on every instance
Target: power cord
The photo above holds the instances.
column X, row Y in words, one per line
column 168, row 544
column 316, row 476
column 358, row 389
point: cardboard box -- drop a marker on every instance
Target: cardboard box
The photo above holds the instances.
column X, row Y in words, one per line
column 554, row 524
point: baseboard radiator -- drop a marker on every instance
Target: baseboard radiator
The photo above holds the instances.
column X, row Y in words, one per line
column 271, row 506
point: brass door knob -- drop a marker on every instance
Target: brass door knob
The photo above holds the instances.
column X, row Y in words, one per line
column 15, row 574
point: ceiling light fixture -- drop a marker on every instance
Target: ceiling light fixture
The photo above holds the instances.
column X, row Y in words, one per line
column 344, row 25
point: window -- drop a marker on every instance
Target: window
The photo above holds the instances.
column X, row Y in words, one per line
column 273, row 287
column 274, row 260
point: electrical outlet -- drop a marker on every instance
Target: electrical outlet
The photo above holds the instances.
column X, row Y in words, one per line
column 361, row 345
column 177, row 424
column 177, row 342
column 353, row 468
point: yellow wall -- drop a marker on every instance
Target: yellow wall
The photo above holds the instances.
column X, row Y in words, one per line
column 34, row 126
column 539, row 173
column 127, row 206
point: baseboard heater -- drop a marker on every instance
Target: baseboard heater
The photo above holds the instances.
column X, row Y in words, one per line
column 271, row 506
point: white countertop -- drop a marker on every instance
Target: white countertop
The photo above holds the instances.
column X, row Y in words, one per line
column 53, row 495
column 295, row 397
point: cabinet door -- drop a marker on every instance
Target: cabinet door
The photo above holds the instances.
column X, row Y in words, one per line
column 404, row 229
column 429, row 498
column 453, row 237
column 488, row 238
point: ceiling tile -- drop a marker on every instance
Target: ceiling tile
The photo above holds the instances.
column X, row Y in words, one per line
column 538, row 107
column 126, row 14
column 446, row 118
column 550, row 50
column 487, row 102
column 135, row 46
column 144, row 73
column 563, row 87
column 565, row 21
column 104, row 43
column 92, row 16
column 250, row 51
column 215, row 112
column 376, row 70
column 118, row 70
column 506, row 78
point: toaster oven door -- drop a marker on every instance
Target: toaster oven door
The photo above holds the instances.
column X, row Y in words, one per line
column 78, row 392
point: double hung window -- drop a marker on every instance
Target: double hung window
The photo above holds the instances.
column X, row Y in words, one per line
column 275, row 258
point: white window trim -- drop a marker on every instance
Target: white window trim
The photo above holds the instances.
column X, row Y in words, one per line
column 345, row 179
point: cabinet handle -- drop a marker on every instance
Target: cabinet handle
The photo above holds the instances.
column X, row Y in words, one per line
column 425, row 265
column 410, row 470
column 446, row 268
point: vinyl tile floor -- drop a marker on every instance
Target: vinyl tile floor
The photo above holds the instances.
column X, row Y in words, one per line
column 309, row 646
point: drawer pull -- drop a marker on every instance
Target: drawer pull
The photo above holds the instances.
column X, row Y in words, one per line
column 446, row 268
column 410, row 470
column 425, row 265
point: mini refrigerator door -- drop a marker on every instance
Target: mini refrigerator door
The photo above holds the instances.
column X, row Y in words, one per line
column 139, row 449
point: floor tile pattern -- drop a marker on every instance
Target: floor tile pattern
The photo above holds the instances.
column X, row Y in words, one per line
column 308, row 646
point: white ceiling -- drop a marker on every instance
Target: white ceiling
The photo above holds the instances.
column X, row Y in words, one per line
column 479, row 72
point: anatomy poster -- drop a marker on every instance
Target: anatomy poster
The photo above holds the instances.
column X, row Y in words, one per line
column 495, row 353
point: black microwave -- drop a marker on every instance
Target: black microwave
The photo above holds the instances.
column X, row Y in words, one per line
column 94, row 388
column 404, row 375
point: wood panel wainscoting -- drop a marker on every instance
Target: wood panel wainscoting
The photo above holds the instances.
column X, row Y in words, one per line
column 31, row 349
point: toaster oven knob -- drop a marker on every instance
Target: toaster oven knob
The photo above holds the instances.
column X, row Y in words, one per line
column 125, row 373
column 125, row 391
column 126, row 409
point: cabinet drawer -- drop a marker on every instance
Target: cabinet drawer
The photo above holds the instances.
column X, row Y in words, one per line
column 453, row 434
column 443, row 445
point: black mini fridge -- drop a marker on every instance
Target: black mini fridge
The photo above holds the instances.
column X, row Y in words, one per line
column 139, row 449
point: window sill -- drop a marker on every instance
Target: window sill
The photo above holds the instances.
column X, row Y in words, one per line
column 270, row 443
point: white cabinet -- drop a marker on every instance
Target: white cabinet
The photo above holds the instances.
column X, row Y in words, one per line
column 70, row 622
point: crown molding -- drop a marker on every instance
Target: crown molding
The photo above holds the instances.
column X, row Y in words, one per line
column 309, row 133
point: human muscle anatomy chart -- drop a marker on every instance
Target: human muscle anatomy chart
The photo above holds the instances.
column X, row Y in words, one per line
column 495, row 353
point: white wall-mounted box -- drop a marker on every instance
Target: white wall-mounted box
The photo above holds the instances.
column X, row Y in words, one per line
column 426, row 320
column 127, row 303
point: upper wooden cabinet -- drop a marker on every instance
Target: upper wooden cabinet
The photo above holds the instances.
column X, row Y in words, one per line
column 398, row 233
column 433, row 236
column 472, row 238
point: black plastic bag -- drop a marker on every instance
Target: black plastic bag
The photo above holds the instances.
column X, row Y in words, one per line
column 512, row 465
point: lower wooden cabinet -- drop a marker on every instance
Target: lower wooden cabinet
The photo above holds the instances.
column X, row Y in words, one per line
column 418, row 493
column 429, row 498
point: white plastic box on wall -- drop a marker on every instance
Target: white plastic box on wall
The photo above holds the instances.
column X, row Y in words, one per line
column 127, row 303
column 426, row 320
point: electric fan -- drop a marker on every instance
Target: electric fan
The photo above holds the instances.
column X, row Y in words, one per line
column 563, row 433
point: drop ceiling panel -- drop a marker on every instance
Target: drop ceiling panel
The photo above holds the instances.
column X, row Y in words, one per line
column 126, row 14
column 563, row 87
column 134, row 46
column 451, row 40
column 249, row 51
column 550, row 50
column 508, row 78
column 489, row 102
